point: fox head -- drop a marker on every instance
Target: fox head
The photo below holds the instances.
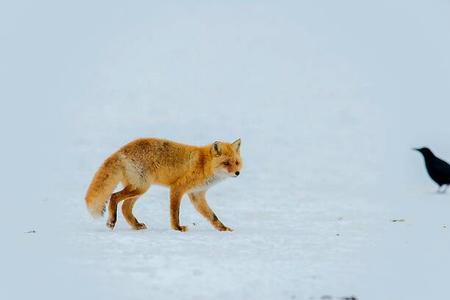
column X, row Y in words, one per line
column 226, row 158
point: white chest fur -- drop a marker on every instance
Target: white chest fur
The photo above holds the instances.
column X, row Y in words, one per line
column 211, row 181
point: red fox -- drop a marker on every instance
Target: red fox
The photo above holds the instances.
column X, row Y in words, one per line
column 184, row 169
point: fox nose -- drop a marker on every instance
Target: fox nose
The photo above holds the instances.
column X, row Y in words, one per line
column 237, row 173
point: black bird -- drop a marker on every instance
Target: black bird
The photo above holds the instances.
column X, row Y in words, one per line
column 438, row 169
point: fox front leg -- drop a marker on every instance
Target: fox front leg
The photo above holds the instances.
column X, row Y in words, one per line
column 175, row 201
column 200, row 204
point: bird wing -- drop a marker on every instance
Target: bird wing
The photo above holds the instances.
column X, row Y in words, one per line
column 442, row 168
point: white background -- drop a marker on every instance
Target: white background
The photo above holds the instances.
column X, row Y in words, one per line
column 328, row 97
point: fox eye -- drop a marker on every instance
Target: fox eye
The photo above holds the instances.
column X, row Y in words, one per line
column 237, row 163
column 227, row 163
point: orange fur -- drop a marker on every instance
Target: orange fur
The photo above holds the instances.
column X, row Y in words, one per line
column 182, row 168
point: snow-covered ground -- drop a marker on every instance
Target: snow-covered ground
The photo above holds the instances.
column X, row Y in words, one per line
column 327, row 97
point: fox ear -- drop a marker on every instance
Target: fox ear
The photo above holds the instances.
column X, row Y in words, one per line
column 216, row 148
column 237, row 145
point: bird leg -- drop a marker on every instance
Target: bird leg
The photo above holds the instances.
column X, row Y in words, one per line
column 442, row 191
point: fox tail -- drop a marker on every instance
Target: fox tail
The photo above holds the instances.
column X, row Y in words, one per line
column 103, row 184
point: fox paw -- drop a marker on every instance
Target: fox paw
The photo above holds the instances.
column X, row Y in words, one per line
column 225, row 228
column 111, row 224
column 140, row 226
column 181, row 228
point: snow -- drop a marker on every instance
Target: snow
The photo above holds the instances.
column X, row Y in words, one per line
column 328, row 99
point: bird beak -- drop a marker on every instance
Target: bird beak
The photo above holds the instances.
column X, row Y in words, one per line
column 415, row 149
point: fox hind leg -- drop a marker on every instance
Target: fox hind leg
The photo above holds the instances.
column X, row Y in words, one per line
column 112, row 210
column 127, row 211
column 116, row 198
